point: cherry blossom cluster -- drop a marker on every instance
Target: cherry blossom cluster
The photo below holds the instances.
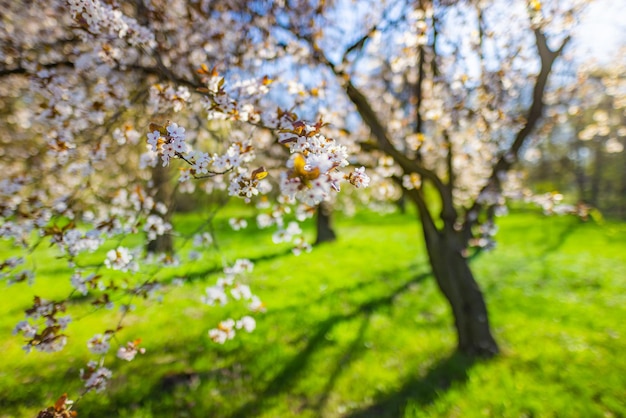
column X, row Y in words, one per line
column 43, row 327
column 102, row 19
column 287, row 230
column 9, row 270
column 310, row 175
column 226, row 329
column 199, row 241
column 164, row 98
column 313, row 168
column 95, row 376
column 232, row 285
column 120, row 259
column 93, row 77
column 129, row 351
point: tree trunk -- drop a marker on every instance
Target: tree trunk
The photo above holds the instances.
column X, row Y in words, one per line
column 162, row 244
column 622, row 200
column 325, row 232
column 598, row 171
column 162, row 193
column 579, row 171
column 456, row 281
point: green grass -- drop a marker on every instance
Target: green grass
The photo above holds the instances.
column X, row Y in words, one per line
column 357, row 328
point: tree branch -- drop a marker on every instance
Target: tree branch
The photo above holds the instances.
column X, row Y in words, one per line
column 506, row 161
column 417, row 196
column 23, row 71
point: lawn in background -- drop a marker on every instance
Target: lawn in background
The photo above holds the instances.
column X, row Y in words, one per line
column 356, row 328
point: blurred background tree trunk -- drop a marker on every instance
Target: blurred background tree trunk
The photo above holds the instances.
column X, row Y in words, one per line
column 325, row 231
column 163, row 192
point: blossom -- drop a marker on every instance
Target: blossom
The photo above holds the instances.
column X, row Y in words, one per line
column 287, row 234
column 256, row 305
column 175, row 131
column 237, row 224
column 153, row 140
column 301, row 246
column 243, row 186
column 156, row 226
column 79, row 283
column 200, row 240
column 264, row 220
column 74, row 241
column 95, row 376
column 241, row 291
column 102, row 18
column 247, row 323
column 412, row 181
column 201, row 161
column 99, row 344
column 358, row 178
column 240, row 266
column 214, row 294
column 225, row 331
column 28, row 330
column 120, row 259
column 130, row 350
column 64, row 321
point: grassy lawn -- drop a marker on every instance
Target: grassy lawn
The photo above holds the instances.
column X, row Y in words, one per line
column 356, row 328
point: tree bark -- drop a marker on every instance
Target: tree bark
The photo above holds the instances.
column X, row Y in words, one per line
column 456, row 281
column 325, row 232
column 445, row 247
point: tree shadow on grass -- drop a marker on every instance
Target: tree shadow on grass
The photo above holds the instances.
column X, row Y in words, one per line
column 295, row 368
column 351, row 353
column 422, row 391
column 339, row 292
column 452, row 370
column 554, row 243
column 292, row 370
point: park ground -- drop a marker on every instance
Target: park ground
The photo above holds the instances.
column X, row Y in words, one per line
column 356, row 328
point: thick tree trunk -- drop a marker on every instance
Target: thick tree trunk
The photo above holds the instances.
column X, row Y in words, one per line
column 325, row 232
column 456, row 281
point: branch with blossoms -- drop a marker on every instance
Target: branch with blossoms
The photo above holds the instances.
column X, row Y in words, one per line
column 308, row 177
column 313, row 169
column 46, row 321
column 78, row 95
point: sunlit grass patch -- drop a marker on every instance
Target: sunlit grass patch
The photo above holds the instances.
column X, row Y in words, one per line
column 358, row 328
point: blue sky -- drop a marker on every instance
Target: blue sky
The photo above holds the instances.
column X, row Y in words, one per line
column 603, row 29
